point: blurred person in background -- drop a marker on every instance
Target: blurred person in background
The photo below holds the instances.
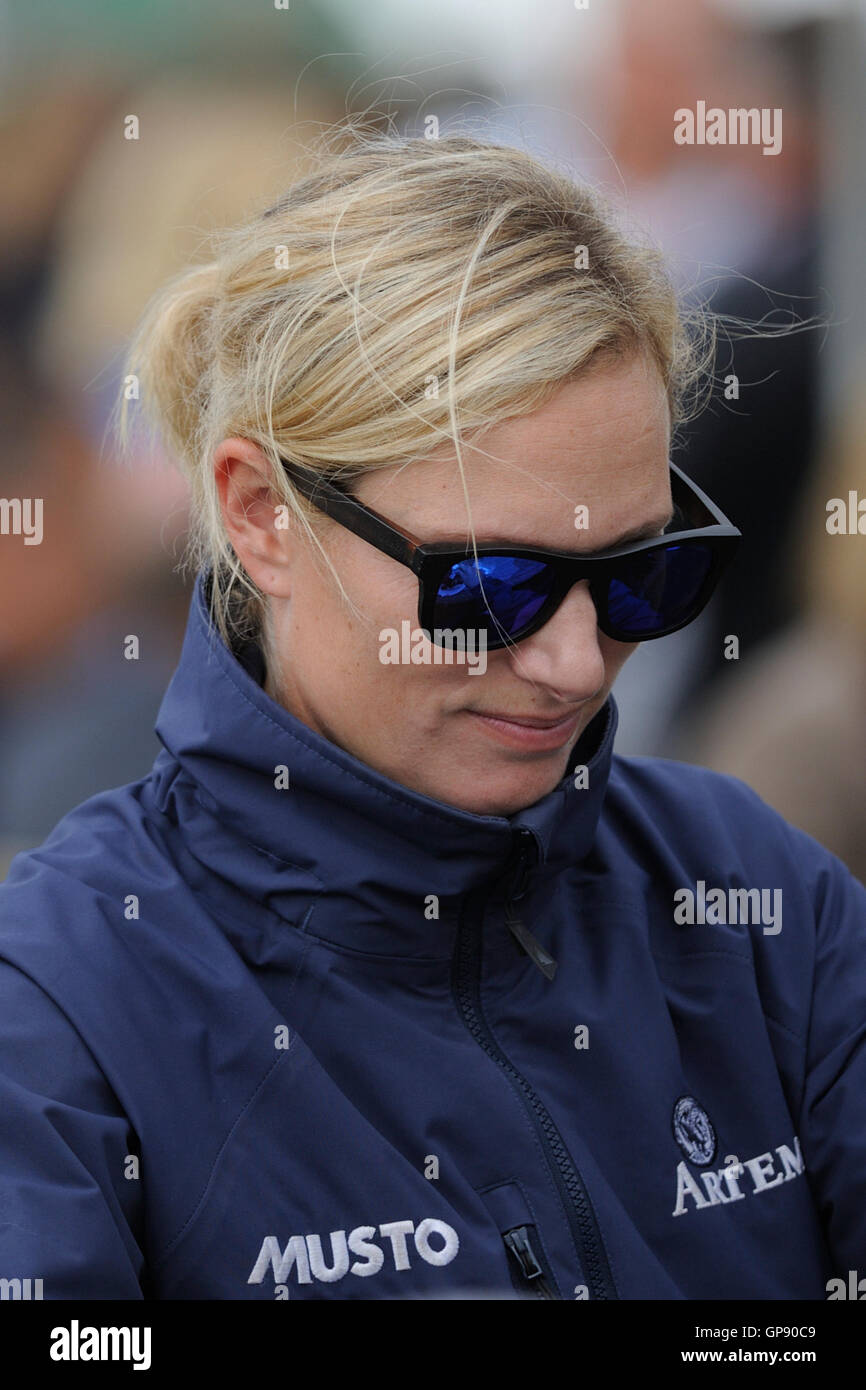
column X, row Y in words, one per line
column 741, row 231
column 95, row 223
column 792, row 720
column 74, row 718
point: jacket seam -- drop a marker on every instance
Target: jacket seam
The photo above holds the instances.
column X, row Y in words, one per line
column 732, row 955
column 160, row 1259
column 856, row 1033
column 137, row 1235
column 228, row 1135
column 800, row 1037
column 354, row 953
column 316, row 892
column 699, row 955
column 245, row 839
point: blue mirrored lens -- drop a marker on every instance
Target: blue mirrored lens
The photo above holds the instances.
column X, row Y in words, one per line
column 657, row 589
column 511, row 589
column 653, row 590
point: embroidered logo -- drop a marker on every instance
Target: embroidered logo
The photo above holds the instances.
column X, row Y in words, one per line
column 435, row 1242
column 693, row 1131
column 723, row 1185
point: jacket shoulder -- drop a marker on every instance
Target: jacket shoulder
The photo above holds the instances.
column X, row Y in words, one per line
column 695, row 803
column 83, row 873
column 691, row 821
column 101, row 915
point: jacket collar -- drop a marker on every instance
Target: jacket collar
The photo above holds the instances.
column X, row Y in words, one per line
column 345, row 852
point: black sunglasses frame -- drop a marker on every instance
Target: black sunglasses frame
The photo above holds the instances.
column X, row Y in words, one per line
column 431, row 562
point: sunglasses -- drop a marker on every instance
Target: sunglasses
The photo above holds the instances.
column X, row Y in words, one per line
column 642, row 590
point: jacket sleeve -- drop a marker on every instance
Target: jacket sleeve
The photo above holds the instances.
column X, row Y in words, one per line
column 833, row 1114
column 67, row 1210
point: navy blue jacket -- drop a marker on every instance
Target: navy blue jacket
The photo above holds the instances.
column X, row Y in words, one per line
column 335, row 1039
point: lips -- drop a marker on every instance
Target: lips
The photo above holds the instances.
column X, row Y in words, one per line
column 538, row 736
column 529, row 721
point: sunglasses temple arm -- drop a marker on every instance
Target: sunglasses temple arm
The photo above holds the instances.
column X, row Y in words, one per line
column 356, row 517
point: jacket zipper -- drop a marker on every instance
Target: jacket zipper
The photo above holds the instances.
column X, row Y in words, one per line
column 466, row 990
column 519, row 1245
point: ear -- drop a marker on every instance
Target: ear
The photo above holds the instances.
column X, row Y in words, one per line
column 243, row 479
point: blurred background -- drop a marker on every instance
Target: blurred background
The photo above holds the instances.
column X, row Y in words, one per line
column 227, row 95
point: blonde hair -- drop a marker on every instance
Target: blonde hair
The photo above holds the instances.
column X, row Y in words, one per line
column 322, row 329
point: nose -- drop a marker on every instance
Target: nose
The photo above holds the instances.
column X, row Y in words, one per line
column 565, row 654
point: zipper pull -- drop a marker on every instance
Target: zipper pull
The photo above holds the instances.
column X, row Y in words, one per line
column 518, row 1244
column 531, row 945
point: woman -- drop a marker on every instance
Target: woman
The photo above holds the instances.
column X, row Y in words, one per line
column 392, row 980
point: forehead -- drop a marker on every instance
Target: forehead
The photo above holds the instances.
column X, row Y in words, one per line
column 578, row 473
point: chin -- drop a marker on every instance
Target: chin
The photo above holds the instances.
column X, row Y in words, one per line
column 513, row 793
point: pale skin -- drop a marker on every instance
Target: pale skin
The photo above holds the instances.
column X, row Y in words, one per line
column 601, row 442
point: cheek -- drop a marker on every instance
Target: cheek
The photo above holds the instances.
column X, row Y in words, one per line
column 383, row 593
column 384, row 712
column 615, row 654
column 341, row 638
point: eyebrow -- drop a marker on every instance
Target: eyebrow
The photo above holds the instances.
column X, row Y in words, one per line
column 645, row 531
